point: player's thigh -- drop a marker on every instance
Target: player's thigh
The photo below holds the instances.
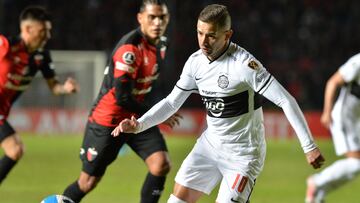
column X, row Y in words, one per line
column 235, row 187
column 147, row 143
column 346, row 136
column 99, row 149
column 6, row 130
column 352, row 130
column 199, row 170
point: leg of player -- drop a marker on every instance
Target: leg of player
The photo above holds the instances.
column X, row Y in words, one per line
column 158, row 164
column 332, row 177
column 182, row 194
column 13, row 149
column 77, row 190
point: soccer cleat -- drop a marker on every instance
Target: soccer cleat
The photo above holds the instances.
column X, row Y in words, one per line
column 312, row 193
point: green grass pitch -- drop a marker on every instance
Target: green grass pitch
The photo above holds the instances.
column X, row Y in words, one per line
column 51, row 163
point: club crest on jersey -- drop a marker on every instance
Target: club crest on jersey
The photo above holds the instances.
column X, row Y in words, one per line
column 253, row 65
column 223, row 81
column 129, row 57
column 91, row 154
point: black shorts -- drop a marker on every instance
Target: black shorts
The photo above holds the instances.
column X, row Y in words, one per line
column 6, row 130
column 100, row 148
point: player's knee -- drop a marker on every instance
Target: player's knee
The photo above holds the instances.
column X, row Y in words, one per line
column 160, row 168
column 86, row 185
column 15, row 152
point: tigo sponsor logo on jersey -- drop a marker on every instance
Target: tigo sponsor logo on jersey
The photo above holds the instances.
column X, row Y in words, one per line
column 215, row 106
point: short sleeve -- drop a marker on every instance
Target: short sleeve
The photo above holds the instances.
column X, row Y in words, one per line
column 126, row 60
column 4, row 46
column 351, row 68
column 187, row 81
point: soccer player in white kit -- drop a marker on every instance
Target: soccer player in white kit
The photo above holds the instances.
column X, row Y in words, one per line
column 343, row 119
column 232, row 148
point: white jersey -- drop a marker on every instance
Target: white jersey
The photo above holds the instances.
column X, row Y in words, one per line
column 227, row 86
column 346, row 112
column 232, row 148
column 230, row 88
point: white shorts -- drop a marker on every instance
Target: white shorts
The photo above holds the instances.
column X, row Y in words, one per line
column 205, row 166
column 345, row 131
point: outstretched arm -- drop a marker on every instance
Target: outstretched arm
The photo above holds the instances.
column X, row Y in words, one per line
column 133, row 126
column 279, row 96
column 70, row 86
column 159, row 113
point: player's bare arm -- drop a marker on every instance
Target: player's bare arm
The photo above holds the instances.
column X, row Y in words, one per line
column 315, row 158
column 330, row 92
column 70, row 86
column 173, row 120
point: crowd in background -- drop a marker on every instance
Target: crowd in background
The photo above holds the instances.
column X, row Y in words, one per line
column 300, row 42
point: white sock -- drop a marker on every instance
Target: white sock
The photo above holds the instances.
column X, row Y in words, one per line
column 174, row 199
column 337, row 174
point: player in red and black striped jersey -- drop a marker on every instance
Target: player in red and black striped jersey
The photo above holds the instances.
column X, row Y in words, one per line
column 132, row 69
column 20, row 59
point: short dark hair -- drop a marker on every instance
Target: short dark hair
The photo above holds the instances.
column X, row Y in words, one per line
column 217, row 14
column 151, row 2
column 37, row 13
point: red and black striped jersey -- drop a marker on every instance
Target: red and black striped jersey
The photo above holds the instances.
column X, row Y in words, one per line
column 131, row 71
column 17, row 69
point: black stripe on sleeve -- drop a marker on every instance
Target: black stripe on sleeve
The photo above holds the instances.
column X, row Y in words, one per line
column 265, row 84
column 186, row 89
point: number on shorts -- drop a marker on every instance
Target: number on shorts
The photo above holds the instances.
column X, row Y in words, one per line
column 242, row 180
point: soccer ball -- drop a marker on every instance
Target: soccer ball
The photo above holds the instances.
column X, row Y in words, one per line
column 57, row 199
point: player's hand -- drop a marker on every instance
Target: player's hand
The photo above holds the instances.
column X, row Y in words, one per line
column 173, row 120
column 70, row 86
column 325, row 119
column 315, row 158
column 126, row 126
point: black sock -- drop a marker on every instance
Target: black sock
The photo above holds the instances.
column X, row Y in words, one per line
column 74, row 193
column 152, row 188
column 6, row 164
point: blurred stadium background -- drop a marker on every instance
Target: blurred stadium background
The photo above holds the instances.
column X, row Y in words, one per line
column 300, row 42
